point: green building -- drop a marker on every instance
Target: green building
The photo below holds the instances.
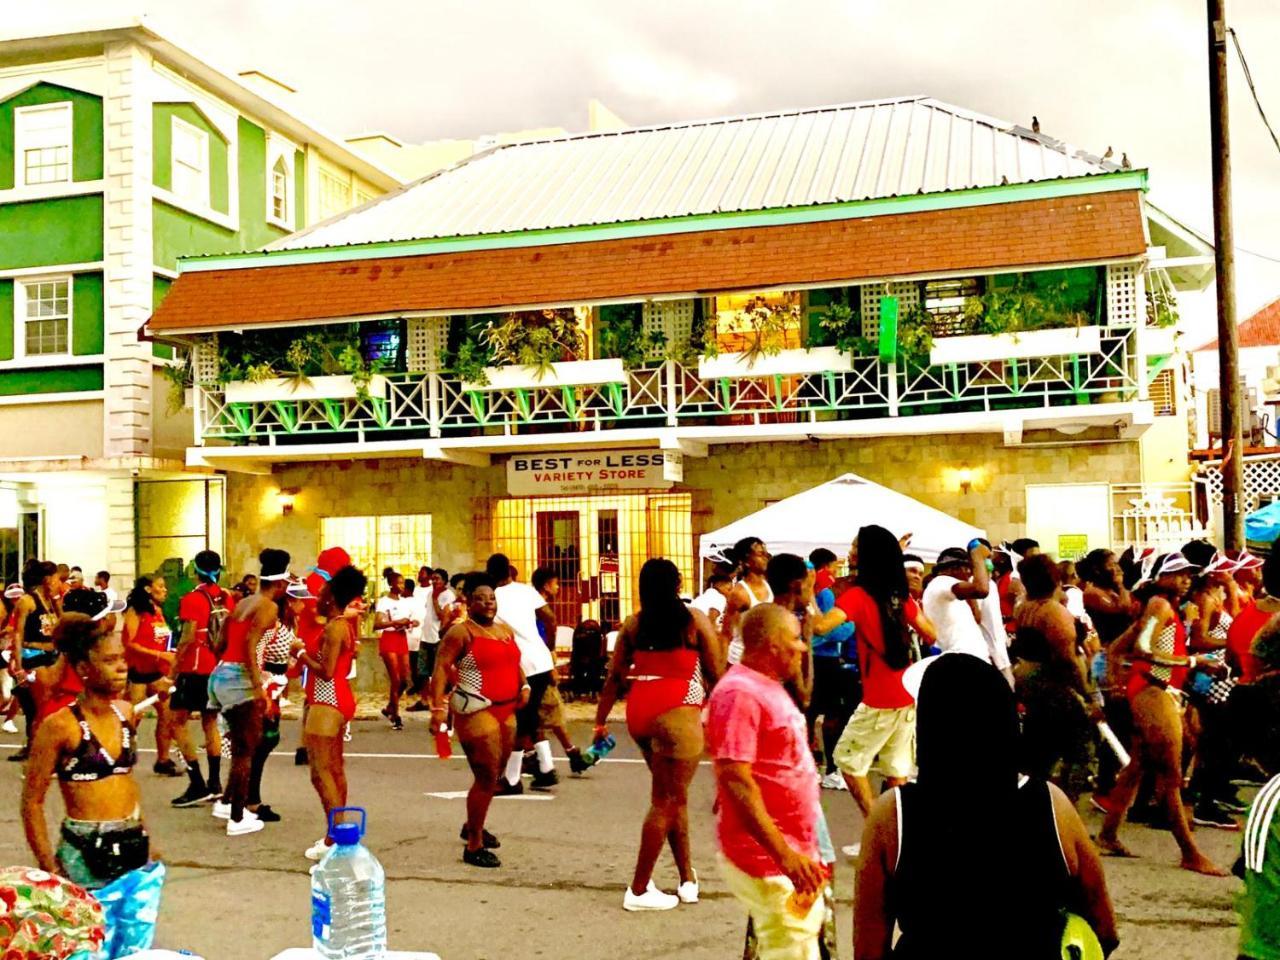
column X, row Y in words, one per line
column 119, row 153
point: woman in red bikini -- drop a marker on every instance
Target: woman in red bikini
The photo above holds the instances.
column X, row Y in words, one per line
column 146, row 650
column 330, row 702
column 1157, row 645
column 480, row 658
column 670, row 654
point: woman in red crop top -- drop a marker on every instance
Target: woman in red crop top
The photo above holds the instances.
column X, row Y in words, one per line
column 330, row 703
column 146, row 650
column 1157, row 645
column 482, row 661
column 237, row 690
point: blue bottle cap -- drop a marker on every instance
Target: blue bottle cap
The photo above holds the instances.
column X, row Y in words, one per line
column 346, row 834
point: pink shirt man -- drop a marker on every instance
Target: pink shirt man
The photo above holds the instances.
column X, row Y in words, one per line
column 752, row 719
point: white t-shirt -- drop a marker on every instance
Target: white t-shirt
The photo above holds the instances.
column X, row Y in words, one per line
column 993, row 630
column 419, row 606
column 399, row 608
column 953, row 618
column 431, row 619
column 518, row 604
column 709, row 600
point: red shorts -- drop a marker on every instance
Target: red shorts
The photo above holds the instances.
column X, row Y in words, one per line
column 393, row 641
column 649, row 699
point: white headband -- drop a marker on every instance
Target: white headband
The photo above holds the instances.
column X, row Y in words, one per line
column 286, row 575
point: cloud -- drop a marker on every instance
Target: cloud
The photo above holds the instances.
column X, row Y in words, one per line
column 667, row 82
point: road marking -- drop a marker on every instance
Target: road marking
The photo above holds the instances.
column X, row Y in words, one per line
column 462, row 795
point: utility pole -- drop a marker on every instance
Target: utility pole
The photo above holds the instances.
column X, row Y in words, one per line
column 1225, row 267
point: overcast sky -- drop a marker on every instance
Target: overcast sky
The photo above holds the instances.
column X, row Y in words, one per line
column 1131, row 74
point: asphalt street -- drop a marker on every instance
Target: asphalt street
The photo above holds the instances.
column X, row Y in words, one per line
column 566, row 859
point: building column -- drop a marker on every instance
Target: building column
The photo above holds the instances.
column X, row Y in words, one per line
column 128, row 252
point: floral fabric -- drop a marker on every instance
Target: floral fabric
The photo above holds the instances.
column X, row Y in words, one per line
column 44, row 917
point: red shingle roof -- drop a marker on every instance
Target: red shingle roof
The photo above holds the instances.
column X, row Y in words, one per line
column 986, row 238
column 1260, row 330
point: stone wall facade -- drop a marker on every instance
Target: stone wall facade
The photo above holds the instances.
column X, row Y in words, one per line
column 732, row 481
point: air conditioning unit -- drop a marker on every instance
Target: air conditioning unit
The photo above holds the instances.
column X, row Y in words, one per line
column 1251, row 424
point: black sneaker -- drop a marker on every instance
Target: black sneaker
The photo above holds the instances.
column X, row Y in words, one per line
column 1212, row 815
column 166, row 768
column 213, row 793
column 20, row 756
column 481, row 858
column 545, row 781
column 489, row 840
column 508, row 789
column 397, row 723
column 300, row 757
column 418, row 707
column 1249, row 774
column 192, row 797
column 577, row 765
column 266, row 814
column 1232, row 803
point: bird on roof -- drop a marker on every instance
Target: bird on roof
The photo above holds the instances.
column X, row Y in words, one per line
column 1124, row 162
column 1108, row 155
column 1004, row 181
column 1035, row 124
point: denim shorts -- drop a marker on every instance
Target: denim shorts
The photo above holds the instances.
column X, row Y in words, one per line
column 229, row 686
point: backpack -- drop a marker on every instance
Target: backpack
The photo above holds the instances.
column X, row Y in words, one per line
column 218, row 613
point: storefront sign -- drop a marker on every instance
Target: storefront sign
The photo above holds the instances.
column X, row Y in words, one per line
column 596, row 471
column 673, row 466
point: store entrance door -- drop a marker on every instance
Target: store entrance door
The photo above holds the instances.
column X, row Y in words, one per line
column 557, row 533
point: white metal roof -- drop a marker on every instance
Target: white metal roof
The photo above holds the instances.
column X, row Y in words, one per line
column 855, row 151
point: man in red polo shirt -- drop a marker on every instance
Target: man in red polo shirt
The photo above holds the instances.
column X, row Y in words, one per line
column 192, row 664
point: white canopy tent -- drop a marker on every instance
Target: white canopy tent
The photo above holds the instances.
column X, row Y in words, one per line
column 830, row 516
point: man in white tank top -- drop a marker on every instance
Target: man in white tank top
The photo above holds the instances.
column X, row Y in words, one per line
column 752, row 557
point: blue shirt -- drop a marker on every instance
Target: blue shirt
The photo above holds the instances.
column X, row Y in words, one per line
column 831, row 644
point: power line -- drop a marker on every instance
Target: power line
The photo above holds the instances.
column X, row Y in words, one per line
column 1248, row 78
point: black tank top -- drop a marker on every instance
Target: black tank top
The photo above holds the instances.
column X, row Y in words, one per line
column 34, row 631
column 983, row 913
column 1109, row 624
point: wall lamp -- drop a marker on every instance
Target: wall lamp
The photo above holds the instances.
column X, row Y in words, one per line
column 285, row 497
column 964, row 477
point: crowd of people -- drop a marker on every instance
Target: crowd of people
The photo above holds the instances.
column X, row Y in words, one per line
column 999, row 683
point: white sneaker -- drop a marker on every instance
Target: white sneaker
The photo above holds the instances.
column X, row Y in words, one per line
column 249, row 823
column 852, row 851
column 834, row 781
column 9, row 727
column 316, row 850
column 221, row 810
column 687, row 892
column 651, row 899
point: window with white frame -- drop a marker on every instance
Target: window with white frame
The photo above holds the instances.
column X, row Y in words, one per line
column 44, row 316
column 190, row 168
column 280, row 191
column 42, row 141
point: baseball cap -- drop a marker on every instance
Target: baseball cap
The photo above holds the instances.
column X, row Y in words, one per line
column 92, row 604
column 953, row 557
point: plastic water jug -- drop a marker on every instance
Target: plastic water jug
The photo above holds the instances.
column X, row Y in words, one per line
column 348, row 896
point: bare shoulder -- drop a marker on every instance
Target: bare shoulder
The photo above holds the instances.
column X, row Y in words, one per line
column 1071, row 830
column 1159, row 607
column 700, row 619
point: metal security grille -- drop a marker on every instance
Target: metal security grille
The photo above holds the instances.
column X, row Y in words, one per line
column 596, row 546
column 374, row 543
